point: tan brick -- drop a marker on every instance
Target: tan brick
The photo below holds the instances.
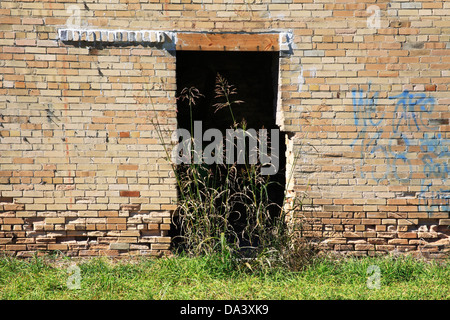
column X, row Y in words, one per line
column 16, row 247
column 54, row 246
column 55, row 220
column 13, row 221
column 128, row 167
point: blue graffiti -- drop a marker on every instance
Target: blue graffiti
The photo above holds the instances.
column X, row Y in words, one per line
column 434, row 169
column 411, row 118
column 365, row 106
column 434, row 200
column 434, row 143
column 412, row 106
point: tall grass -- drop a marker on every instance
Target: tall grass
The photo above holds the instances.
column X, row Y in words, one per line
column 226, row 208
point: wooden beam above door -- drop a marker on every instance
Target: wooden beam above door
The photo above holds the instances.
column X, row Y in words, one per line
column 227, row 42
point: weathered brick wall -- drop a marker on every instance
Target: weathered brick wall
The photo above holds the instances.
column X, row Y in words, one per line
column 82, row 169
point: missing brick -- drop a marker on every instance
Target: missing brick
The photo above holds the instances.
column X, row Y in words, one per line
column 6, row 200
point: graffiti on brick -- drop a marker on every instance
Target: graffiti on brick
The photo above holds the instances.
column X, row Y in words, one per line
column 373, row 21
column 51, row 117
column 411, row 108
column 404, row 146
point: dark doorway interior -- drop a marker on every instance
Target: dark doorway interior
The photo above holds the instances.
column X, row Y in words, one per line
column 255, row 76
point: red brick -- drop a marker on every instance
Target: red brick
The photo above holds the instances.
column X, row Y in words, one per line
column 124, row 134
column 129, row 193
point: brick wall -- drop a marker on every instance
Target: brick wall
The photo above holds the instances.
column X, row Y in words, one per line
column 363, row 94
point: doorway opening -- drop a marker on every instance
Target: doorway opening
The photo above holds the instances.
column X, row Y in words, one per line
column 255, row 77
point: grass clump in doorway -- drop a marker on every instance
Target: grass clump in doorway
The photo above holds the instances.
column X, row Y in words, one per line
column 225, row 209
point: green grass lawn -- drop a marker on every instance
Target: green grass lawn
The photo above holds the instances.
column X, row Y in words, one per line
column 208, row 278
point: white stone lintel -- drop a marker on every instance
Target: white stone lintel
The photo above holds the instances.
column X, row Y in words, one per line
column 114, row 36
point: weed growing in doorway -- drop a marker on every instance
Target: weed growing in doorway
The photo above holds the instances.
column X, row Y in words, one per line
column 225, row 209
